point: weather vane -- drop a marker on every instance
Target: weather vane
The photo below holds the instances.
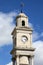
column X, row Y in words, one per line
column 22, row 5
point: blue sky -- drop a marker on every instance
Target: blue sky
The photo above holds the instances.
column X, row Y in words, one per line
column 8, row 11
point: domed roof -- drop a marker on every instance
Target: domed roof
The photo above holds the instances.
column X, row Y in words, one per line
column 21, row 15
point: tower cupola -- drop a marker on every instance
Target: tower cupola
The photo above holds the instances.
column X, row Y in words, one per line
column 22, row 20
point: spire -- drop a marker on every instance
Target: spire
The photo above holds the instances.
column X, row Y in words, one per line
column 22, row 5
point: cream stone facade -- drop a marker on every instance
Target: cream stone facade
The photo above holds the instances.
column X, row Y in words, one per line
column 22, row 52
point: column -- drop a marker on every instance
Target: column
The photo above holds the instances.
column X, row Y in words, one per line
column 29, row 60
column 32, row 60
column 17, row 60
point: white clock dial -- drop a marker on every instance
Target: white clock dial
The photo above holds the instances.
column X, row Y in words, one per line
column 24, row 39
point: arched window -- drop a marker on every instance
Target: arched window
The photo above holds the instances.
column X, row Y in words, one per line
column 23, row 23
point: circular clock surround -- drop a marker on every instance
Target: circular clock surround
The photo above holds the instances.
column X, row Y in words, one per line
column 24, row 38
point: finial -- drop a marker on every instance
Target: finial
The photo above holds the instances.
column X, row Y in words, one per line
column 22, row 5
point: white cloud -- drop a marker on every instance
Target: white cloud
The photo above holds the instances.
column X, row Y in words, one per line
column 6, row 27
column 38, row 59
column 10, row 63
column 35, row 36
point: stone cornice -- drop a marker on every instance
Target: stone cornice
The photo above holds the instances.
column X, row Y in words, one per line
column 22, row 28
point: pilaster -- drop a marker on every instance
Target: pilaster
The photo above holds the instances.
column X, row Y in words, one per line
column 31, row 60
column 17, row 60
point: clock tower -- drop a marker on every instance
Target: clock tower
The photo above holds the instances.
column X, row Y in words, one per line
column 22, row 52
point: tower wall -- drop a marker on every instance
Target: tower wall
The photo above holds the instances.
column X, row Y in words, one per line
column 22, row 52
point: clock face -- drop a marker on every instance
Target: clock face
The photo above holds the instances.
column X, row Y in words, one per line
column 24, row 39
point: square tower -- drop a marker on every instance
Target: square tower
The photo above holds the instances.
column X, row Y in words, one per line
column 22, row 52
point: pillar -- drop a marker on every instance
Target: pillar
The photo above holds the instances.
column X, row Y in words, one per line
column 28, row 60
column 17, row 60
column 31, row 59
